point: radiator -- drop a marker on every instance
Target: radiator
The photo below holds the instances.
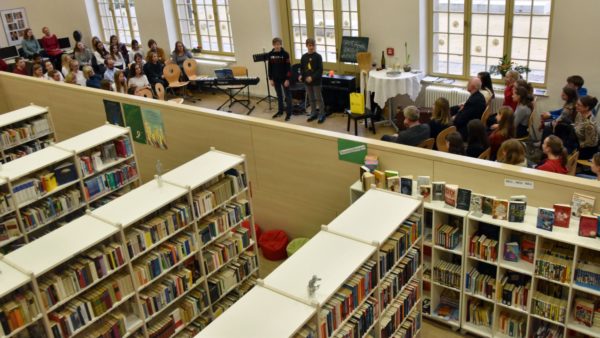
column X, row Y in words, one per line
column 455, row 96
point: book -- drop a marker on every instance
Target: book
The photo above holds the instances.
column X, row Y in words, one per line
column 368, row 180
column 500, row 209
column 527, row 248
column 363, row 169
column 406, row 185
column 423, row 180
column 516, row 211
column 545, row 219
column 582, row 204
column 379, row 179
column 584, row 311
column 511, row 252
column 372, row 162
column 390, row 173
column 518, row 198
column 437, row 191
column 463, row 199
column 425, row 192
column 476, row 204
column 562, row 215
column 488, row 205
column 588, row 226
column 393, row 183
column 450, row 194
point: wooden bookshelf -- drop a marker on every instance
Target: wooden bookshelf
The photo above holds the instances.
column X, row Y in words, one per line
column 24, row 131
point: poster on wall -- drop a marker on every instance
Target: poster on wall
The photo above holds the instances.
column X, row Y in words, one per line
column 133, row 119
column 114, row 115
column 14, row 22
column 155, row 128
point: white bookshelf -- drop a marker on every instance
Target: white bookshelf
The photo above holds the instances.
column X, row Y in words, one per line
column 26, row 139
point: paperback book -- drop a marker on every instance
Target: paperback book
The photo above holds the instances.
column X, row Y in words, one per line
column 516, row 211
column 545, row 219
column 582, row 204
column 406, row 185
column 511, row 252
column 488, row 205
column 588, row 226
column 368, row 180
column 425, row 192
column 463, row 199
column 423, row 180
column 393, row 183
column 476, row 204
column 500, row 209
column 379, row 179
column 527, row 248
column 562, row 215
column 450, row 194
column 372, row 162
column 437, row 193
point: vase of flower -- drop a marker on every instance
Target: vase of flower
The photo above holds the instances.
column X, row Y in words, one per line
column 407, row 67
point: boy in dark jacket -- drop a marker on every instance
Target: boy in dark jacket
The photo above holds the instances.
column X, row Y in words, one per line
column 279, row 77
column 311, row 68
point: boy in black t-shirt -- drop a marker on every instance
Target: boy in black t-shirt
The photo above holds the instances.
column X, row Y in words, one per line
column 311, row 72
column 279, row 77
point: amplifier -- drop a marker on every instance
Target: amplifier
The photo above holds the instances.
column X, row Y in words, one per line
column 336, row 92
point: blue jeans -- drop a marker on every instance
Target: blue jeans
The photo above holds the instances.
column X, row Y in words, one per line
column 281, row 90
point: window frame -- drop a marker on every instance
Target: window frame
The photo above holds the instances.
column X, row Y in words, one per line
column 217, row 22
column 467, row 33
column 114, row 20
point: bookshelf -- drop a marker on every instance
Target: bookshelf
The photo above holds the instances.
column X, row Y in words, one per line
column 24, row 131
column 47, row 188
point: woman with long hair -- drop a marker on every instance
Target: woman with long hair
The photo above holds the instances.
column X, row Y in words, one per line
column 556, row 161
column 585, row 127
column 440, row 117
column 524, row 109
column 455, row 143
column 30, row 44
column 117, row 57
column 120, row 83
column 505, row 130
column 512, row 152
column 486, row 86
column 477, row 140
column 65, row 62
column 83, row 54
column 137, row 78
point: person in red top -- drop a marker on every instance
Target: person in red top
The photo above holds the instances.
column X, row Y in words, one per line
column 51, row 46
column 505, row 130
column 557, row 156
column 20, row 66
column 3, row 66
column 510, row 79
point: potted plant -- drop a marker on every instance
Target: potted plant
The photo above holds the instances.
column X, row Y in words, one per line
column 407, row 66
column 505, row 64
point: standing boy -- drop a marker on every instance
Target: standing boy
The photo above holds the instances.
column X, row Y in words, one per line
column 279, row 77
column 311, row 70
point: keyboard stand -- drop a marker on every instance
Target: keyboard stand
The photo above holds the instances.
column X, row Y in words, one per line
column 231, row 97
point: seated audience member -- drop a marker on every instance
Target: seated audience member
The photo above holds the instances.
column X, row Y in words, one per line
column 137, row 78
column 455, row 143
column 71, row 78
column 414, row 134
column 122, row 48
column 524, row 109
column 38, row 72
column 486, row 86
column 510, row 80
column 109, row 73
column 92, row 80
column 106, row 85
column 3, row 66
column 557, row 156
column 20, row 66
column 139, row 60
column 505, row 131
column 65, row 62
column 565, row 131
column 478, row 141
column 36, row 59
column 135, row 49
column 154, row 69
column 83, row 54
column 55, row 75
column 585, row 127
column 79, row 77
column 512, row 152
column 440, row 117
column 153, row 47
column 30, row 44
column 49, row 68
column 180, row 54
column 100, row 52
column 51, row 46
column 120, row 82
column 117, row 57
column 576, row 82
column 472, row 109
column 95, row 40
column 569, row 95
column 596, row 165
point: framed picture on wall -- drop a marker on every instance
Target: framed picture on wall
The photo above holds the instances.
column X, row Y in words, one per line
column 14, row 22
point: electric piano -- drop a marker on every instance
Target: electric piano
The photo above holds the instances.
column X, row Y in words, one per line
column 231, row 87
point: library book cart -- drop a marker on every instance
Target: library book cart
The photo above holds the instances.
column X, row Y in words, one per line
column 161, row 260
column 359, row 276
column 24, row 131
column 46, row 189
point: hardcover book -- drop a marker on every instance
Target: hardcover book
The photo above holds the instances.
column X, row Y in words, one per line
column 393, row 183
column 527, row 249
column 368, row 180
column 363, row 169
column 423, row 180
column 372, row 162
column 406, row 185
column 516, row 211
column 511, row 252
column 545, row 219
column 450, row 194
column 488, row 205
column 518, row 198
column 584, row 311
column 582, row 204
column 425, row 192
column 379, row 179
column 500, row 209
column 476, row 204
column 463, row 199
column 437, row 193
column 588, row 226
column 562, row 215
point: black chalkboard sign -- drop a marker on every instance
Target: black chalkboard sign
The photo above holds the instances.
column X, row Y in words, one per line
column 352, row 45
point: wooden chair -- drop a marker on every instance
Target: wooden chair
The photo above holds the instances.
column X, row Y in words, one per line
column 357, row 117
column 529, row 124
column 440, row 141
column 146, row 92
column 486, row 113
column 572, row 163
column 486, row 154
column 189, row 68
column 427, row 144
column 172, row 72
column 364, row 65
column 160, row 93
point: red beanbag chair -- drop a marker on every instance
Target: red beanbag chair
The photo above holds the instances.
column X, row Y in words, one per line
column 246, row 224
column 273, row 244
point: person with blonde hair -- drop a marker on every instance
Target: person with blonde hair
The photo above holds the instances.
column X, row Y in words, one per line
column 71, row 78
column 512, row 152
column 415, row 132
column 74, row 68
column 120, row 82
column 440, row 117
column 510, row 79
column 65, row 62
column 92, row 79
column 596, row 165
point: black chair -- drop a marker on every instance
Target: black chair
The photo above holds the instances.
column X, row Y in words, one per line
column 297, row 91
column 358, row 117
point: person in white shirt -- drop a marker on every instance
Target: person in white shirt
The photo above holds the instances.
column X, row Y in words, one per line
column 100, row 52
column 116, row 55
column 137, row 79
column 79, row 77
column 135, row 49
column 109, row 74
column 49, row 68
column 65, row 61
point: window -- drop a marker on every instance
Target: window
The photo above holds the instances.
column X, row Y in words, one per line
column 117, row 17
column 469, row 36
column 205, row 23
column 325, row 20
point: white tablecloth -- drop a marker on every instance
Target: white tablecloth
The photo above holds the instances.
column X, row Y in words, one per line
column 386, row 87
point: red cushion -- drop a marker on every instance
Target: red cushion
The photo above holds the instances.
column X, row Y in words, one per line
column 273, row 244
column 246, row 224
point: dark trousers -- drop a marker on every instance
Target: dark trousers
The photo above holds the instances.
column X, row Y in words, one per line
column 282, row 90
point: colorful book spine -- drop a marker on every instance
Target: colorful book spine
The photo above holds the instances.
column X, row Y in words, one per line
column 447, row 273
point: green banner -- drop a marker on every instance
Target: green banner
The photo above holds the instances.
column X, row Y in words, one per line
column 133, row 119
column 155, row 128
column 352, row 151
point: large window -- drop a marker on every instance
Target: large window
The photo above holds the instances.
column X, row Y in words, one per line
column 117, row 17
column 205, row 24
column 325, row 20
column 469, row 36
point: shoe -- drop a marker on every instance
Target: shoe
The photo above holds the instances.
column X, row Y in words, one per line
column 288, row 117
column 311, row 118
column 277, row 115
column 321, row 119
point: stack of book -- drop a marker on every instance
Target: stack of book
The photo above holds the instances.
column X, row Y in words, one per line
column 480, row 284
column 162, row 328
column 397, row 245
column 166, row 291
column 361, row 320
column 549, row 307
column 480, row 312
column 447, row 236
column 218, row 193
column 223, row 281
column 9, row 228
column 514, row 290
column 411, row 326
column 225, row 304
column 547, row 330
column 584, row 310
column 26, row 149
column 224, row 250
column 195, row 327
column 449, row 303
column 512, row 326
column 393, row 317
column 5, row 203
column 23, row 133
column 114, row 325
column 98, row 158
column 224, row 219
column 191, row 306
column 110, row 180
column 399, row 277
column 17, row 310
column 554, row 267
column 50, row 208
column 587, row 273
column 447, row 274
column 483, row 247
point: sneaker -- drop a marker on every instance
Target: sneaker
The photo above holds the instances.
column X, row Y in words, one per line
column 276, row 115
column 311, row 118
column 288, row 117
column 321, row 119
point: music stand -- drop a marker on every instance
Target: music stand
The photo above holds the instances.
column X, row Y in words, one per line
column 264, row 57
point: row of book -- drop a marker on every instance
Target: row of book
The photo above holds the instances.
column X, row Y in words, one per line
column 587, row 273
column 225, row 304
column 447, row 273
column 18, row 311
column 552, row 267
column 24, row 132
column 5, row 203
column 26, row 149
column 80, row 273
column 218, row 193
column 99, row 157
column 348, row 298
column 483, row 247
column 9, row 228
column 398, row 244
column 114, row 325
column 361, row 321
column 141, row 237
column 44, row 182
column 190, row 308
column 225, row 249
column 163, row 328
column 164, row 292
column 549, row 307
column 223, row 281
column 224, row 219
column 391, row 286
column 110, row 180
column 82, row 310
column 399, row 310
column 410, row 327
column 192, row 329
column 168, row 254
column 511, row 325
column 547, row 330
column 480, row 284
column 514, row 290
column 50, row 209
column 480, row 312
column 520, row 246
column 447, row 236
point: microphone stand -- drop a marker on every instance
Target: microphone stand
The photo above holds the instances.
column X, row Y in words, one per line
column 264, row 57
